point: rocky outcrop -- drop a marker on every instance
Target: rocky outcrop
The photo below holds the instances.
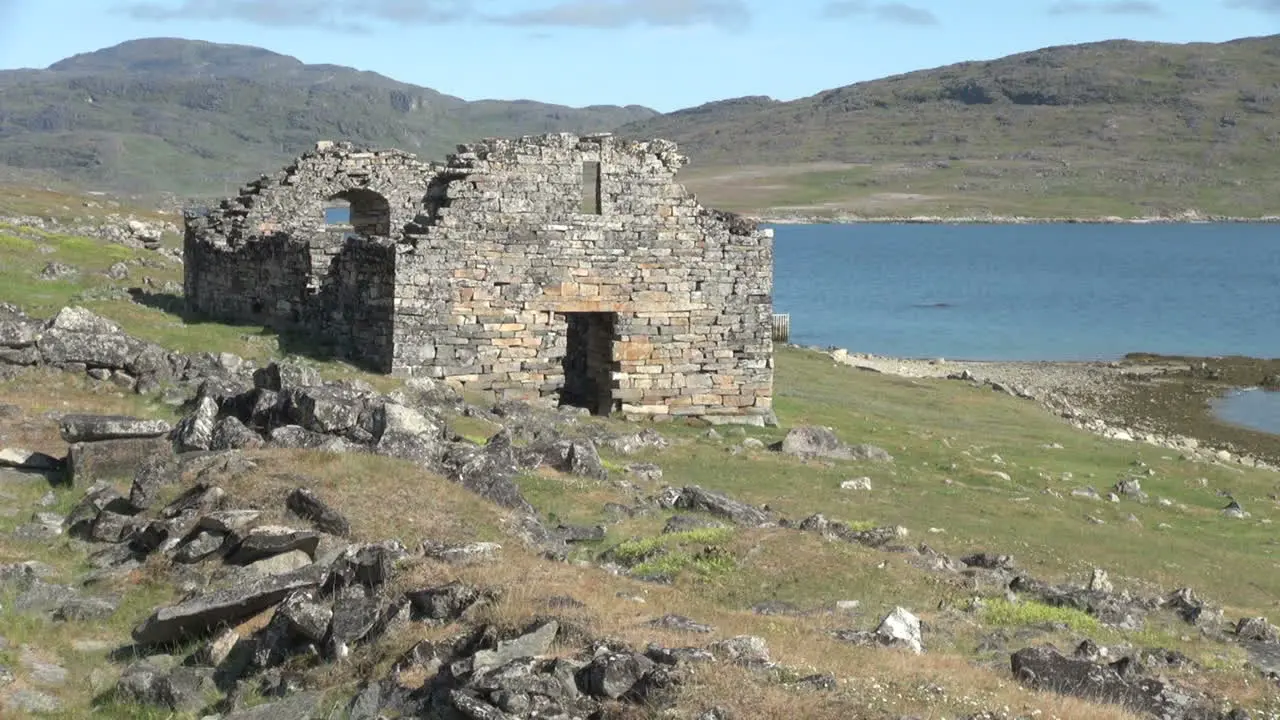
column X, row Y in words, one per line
column 820, row 442
column 1045, row 668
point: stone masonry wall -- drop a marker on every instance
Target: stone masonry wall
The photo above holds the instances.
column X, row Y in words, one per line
column 488, row 260
column 267, row 255
column 484, row 279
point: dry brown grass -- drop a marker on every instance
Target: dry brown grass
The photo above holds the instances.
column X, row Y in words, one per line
column 39, row 391
column 382, row 497
column 873, row 679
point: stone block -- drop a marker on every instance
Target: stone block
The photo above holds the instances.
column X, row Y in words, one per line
column 108, row 460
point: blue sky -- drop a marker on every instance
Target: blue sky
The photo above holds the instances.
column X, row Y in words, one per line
column 666, row 54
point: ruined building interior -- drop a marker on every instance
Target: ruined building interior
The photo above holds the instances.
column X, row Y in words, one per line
column 550, row 268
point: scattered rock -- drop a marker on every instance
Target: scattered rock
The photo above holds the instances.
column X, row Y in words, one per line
column 1258, row 629
column 645, row 471
column 742, row 649
column 469, row 554
column 613, row 675
column 30, row 702
column 108, row 460
column 695, row 498
column 153, row 473
column 679, row 623
column 685, row 523
column 631, row 444
column 117, row 271
column 58, row 271
column 901, row 628
column 862, row 483
column 1234, row 511
column 811, row 441
column 282, row 564
column 307, row 505
column 1099, row 582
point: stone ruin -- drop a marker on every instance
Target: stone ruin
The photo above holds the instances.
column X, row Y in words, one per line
column 551, row 268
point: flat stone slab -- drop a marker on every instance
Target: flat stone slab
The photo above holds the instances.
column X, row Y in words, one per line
column 90, row 428
column 227, row 606
column 268, row 540
column 107, row 460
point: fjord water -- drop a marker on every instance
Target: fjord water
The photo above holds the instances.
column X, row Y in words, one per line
column 1253, row 408
column 1038, row 292
column 1031, row 292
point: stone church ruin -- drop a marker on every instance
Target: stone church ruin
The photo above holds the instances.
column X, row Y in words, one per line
column 555, row 268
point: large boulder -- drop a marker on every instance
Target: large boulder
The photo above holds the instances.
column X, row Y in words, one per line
column 405, row 433
column 330, row 410
column 77, row 336
column 819, row 442
column 279, row 376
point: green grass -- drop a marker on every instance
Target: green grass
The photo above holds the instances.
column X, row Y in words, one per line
column 635, row 551
column 999, row 612
column 945, row 436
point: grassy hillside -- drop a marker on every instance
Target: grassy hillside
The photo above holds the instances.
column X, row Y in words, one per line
column 191, row 117
column 1112, row 128
column 973, row 471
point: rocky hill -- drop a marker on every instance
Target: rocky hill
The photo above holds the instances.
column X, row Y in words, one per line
column 195, row 117
column 200, row 520
column 1118, row 127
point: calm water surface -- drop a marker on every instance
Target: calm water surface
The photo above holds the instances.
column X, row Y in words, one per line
column 1034, row 292
column 1251, row 408
column 1038, row 292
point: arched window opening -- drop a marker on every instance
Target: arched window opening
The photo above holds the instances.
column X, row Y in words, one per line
column 361, row 213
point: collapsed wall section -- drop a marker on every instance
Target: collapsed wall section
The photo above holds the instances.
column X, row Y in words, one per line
column 277, row 255
column 526, row 242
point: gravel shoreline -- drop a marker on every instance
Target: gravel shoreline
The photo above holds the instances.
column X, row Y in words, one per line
column 1086, row 394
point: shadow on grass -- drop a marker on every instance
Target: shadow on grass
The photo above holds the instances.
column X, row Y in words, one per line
column 290, row 341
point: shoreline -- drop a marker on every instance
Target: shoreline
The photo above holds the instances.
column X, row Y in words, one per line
column 1109, row 398
column 1190, row 219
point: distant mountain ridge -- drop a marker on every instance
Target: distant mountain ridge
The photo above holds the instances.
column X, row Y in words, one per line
column 187, row 116
column 1115, row 128
column 1118, row 127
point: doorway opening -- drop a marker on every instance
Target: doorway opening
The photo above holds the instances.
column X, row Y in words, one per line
column 588, row 362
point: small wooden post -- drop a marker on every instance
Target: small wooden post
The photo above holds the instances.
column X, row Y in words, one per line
column 782, row 327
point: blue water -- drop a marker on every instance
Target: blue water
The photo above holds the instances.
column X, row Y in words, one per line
column 337, row 216
column 1031, row 292
column 1259, row 409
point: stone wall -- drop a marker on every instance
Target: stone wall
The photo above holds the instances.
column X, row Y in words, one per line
column 490, row 260
column 267, row 256
column 504, row 252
